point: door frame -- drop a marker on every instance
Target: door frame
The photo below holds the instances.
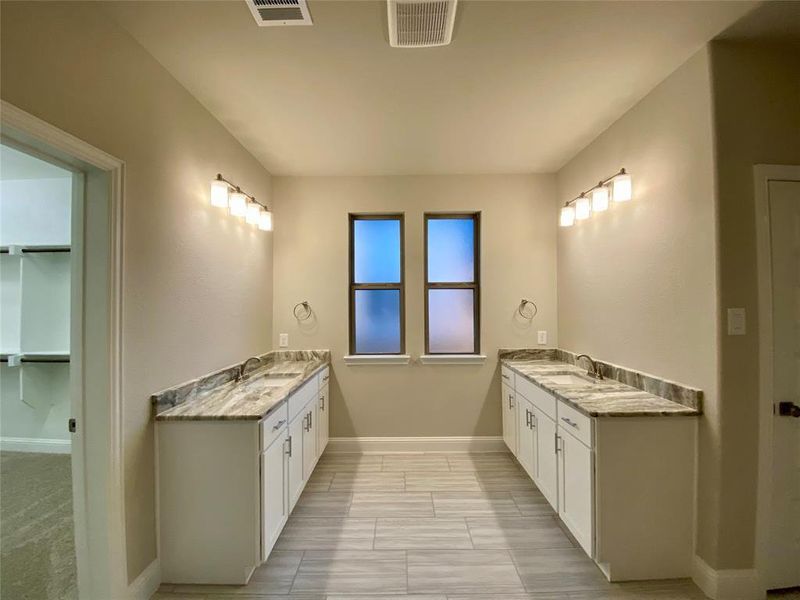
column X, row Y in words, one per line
column 98, row 490
column 763, row 175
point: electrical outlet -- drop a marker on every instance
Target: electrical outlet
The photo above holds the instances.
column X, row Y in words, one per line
column 542, row 336
column 284, row 340
column 737, row 321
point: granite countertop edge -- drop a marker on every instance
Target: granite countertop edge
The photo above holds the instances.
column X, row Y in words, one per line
column 174, row 415
column 683, row 411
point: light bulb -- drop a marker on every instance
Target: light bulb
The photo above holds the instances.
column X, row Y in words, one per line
column 583, row 208
column 265, row 221
column 219, row 193
column 238, row 204
column 600, row 199
column 567, row 216
column 622, row 190
column 253, row 213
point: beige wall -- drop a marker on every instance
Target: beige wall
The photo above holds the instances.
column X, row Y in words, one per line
column 197, row 284
column 637, row 285
column 757, row 120
column 518, row 220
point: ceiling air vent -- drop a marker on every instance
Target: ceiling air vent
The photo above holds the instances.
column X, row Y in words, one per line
column 271, row 13
column 421, row 23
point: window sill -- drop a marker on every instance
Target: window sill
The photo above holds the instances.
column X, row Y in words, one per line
column 377, row 359
column 452, row 359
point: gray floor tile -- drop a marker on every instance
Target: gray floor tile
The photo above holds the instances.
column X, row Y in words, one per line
column 516, row 532
column 347, row 571
column 504, row 481
column 457, row 571
column 389, row 597
column 326, row 504
column 326, row 533
column 532, row 503
column 474, row 504
column 558, row 570
column 398, row 504
column 422, row 534
column 415, row 462
column 478, row 462
column 378, row 481
column 441, row 482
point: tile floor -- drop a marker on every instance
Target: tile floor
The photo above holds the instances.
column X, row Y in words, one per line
column 426, row 527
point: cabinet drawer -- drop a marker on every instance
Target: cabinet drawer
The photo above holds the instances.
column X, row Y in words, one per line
column 299, row 399
column 578, row 424
column 324, row 377
column 273, row 426
column 539, row 398
column 507, row 376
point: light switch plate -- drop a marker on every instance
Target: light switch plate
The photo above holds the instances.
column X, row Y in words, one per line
column 737, row 321
column 542, row 336
column 284, row 340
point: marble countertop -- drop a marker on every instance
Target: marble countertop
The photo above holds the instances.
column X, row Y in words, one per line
column 598, row 398
column 249, row 399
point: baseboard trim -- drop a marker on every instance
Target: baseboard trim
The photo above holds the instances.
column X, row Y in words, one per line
column 417, row 444
column 726, row 584
column 35, row 445
column 147, row 583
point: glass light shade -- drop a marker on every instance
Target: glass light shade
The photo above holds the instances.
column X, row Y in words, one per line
column 600, row 199
column 219, row 193
column 265, row 221
column 567, row 216
column 583, row 208
column 622, row 188
column 253, row 214
column 238, row 204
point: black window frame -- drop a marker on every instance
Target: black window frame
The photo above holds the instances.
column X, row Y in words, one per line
column 474, row 285
column 353, row 286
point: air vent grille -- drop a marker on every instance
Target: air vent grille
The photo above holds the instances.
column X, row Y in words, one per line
column 280, row 12
column 421, row 23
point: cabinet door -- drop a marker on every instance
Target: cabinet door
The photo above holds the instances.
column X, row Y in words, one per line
column 296, row 459
column 525, row 435
column 309, row 439
column 575, row 490
column 323, row 431
column 509, row 419
column 546, row 466
column 274, row 496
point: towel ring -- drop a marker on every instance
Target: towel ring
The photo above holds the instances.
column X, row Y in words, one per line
column 302, row 311
column 527, row 314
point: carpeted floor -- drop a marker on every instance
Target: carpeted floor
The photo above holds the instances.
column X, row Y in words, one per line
column 37, row 546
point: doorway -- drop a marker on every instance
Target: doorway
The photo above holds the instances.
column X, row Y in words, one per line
column 778, row 224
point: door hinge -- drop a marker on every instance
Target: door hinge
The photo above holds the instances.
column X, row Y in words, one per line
column 72, row 425
column 788, row 409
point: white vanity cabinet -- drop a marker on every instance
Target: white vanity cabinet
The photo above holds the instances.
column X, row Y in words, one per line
column 617, row 483
column 226, row 488
column 323, row 412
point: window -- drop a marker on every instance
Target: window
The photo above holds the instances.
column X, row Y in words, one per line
column 452, row 283
column 377, row 289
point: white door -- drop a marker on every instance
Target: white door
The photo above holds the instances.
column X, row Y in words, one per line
column 509, row 419
column 310, row 439
column 525, row 430
column 323, row 429
column 547, row 471
column 274, row 497
column 783, row 553
column 575, row 488
column 296, row 459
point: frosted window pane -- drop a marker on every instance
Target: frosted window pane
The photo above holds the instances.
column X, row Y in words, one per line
column 451, row 250
column 377, row 321
column 450, row 321
column 376, row 251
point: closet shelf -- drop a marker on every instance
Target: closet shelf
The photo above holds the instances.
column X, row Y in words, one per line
column 15, row 249
column 36, row 357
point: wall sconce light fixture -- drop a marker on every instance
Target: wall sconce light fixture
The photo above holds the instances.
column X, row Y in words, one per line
column 618, row 188
column 225, row 194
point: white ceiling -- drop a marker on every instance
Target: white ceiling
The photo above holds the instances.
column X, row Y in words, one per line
column 18, row 165
column 523, row 87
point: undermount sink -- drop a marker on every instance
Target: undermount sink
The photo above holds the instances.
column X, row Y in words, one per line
column 570, row 379
column 277, row 380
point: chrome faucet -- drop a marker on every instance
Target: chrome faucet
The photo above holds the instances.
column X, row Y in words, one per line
column 594, row 368
column 243, row 366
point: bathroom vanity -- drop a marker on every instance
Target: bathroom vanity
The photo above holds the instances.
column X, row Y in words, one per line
column 234, row 455
column 616, row 462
